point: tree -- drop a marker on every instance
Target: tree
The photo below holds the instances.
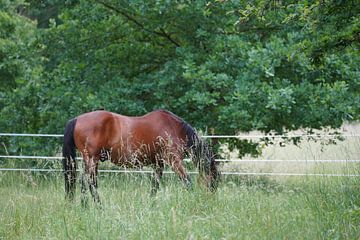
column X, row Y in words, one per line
column 20, row 73
column 224, row 66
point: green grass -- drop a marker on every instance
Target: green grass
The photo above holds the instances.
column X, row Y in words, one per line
column 32, row 206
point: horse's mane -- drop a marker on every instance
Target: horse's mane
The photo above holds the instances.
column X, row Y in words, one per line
column 192, row 137
column 198, row 149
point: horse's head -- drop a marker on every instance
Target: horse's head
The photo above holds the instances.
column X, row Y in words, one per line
column 213, row 175
column 203, row 157
column 208, row 167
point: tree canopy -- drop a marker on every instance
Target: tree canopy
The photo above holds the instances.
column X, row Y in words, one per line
column 223, row 66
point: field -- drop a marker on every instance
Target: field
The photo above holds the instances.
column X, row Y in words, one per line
column 32, row 207
column 347, row 149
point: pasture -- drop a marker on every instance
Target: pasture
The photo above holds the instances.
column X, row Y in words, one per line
column 224, row 67
column 32, row 205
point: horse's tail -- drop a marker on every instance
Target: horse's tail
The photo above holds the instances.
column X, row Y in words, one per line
column 69, row 159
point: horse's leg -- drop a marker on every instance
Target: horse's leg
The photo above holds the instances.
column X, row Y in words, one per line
column 91, row 167
column 176, row 163
column 84, row 190
column 179, row 168
column 83, row 180
column 156, row 178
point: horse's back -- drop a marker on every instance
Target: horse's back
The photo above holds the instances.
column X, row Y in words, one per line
column 95, row 128
column 94, row 121
column 155, row 126
column 124, row 134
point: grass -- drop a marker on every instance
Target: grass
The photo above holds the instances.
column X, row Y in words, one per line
column 32, row 206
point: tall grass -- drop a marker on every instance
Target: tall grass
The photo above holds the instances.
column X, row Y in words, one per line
column 32, row 206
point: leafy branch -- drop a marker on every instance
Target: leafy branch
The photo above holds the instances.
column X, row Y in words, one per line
column 162, row 33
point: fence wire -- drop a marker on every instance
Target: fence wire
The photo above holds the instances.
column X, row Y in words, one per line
column 192, row 173
column 241, row 161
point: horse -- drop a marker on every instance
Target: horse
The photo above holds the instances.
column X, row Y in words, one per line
column 156, row 139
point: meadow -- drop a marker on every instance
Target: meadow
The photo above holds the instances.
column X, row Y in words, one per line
column 32, row 206
column 224, row 66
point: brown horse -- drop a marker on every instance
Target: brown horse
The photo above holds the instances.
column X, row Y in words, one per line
column 156, row 139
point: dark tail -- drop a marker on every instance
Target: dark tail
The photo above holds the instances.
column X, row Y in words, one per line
column 69, row 159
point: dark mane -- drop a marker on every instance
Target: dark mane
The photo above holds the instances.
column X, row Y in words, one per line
column 191, row 134
column 200, row 152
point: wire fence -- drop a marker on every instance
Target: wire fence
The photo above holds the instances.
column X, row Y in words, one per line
column 190, row 172
column 206, row 136
column 239, row 161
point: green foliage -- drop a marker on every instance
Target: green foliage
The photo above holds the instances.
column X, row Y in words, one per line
column 16, row 33
column 20, row 73
column 224, row 66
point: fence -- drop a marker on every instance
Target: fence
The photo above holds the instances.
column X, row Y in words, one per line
column 239, row 161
